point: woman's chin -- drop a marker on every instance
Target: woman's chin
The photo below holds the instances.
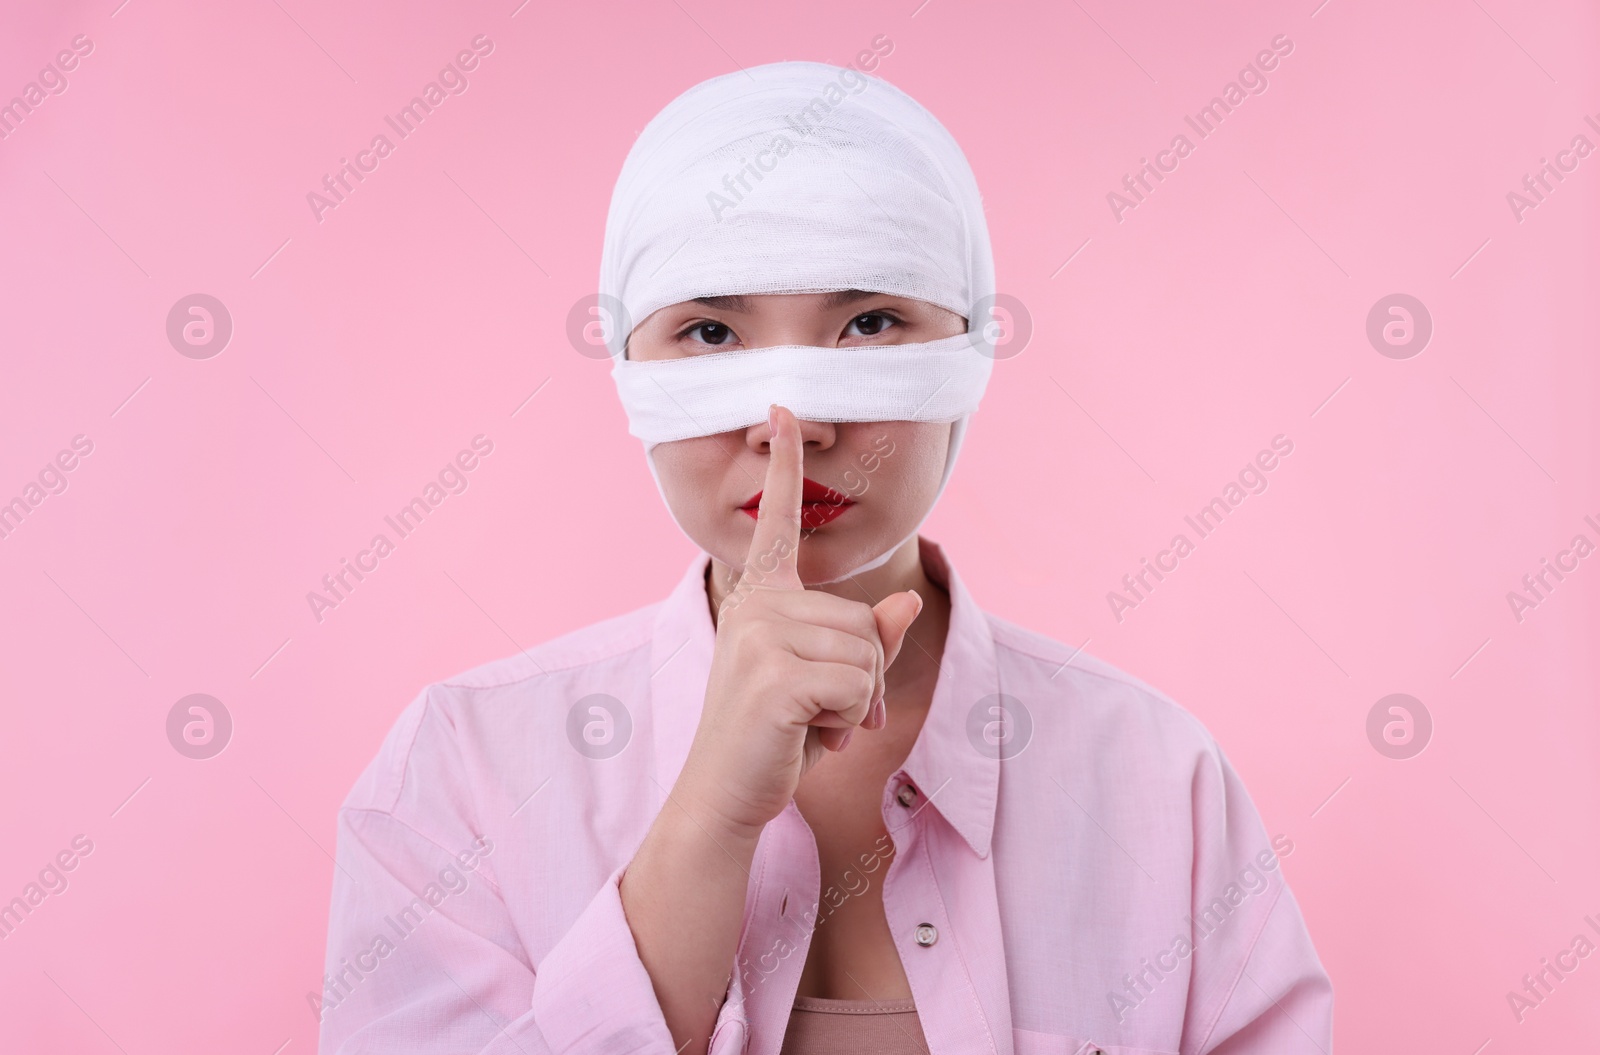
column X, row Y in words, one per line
column 824, row 560
column 827, row 554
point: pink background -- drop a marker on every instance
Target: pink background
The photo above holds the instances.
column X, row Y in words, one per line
column 371, row 346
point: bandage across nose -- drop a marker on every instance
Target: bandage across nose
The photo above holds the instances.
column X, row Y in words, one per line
column 715, row 392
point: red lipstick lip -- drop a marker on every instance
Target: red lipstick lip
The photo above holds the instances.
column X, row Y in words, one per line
column 819, row 504
column 810, row 491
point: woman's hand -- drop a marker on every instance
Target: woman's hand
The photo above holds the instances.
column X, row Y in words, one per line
column 794, row 671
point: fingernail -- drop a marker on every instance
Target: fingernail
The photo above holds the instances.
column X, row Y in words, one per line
column 918, row 596
column 772, row 417
column 880, row 713
column 846, row 741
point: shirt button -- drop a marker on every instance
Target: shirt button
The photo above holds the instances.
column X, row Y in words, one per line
column 906, row 795
column 927, row 934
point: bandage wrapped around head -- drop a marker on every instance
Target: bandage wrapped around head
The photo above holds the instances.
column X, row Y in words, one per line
column 797, row 177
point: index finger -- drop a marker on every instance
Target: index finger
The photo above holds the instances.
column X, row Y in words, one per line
column 774, row 554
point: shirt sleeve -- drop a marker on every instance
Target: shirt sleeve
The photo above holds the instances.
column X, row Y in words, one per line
column 423, row 954
column 593, row 994
column 1257, row 986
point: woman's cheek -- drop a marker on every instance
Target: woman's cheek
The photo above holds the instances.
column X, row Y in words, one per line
column 907, row 455
column 693, row 477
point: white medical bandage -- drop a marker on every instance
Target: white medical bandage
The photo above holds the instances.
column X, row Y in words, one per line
column 797, row 177
column 707, row 394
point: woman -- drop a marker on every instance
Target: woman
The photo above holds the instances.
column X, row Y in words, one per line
column 663, row 833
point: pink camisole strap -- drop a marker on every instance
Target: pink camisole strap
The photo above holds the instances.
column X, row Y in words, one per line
column 853, row 1027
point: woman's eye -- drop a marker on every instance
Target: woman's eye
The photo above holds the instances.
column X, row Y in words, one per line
column 713, row 333
column 870, row 324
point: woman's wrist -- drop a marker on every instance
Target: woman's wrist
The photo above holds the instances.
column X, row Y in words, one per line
column 706, row 808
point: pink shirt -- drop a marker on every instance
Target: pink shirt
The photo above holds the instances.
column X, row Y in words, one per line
column 1091, row 874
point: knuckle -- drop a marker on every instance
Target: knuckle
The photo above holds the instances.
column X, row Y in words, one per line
column 865, row 622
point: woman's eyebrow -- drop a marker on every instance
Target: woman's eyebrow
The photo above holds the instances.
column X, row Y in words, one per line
column 741, row 304
column 845, row 296
column 737, row 303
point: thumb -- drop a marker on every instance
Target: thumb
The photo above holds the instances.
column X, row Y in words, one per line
column 895, row 615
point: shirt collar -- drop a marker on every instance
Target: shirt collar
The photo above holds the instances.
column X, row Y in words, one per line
column 951, row 763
